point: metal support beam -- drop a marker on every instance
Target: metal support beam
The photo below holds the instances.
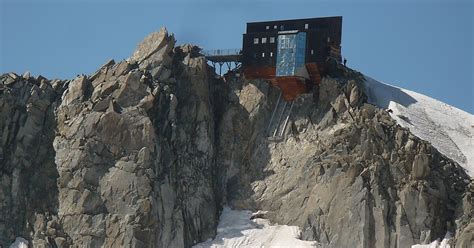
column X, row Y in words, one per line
column 229, row 65
column 273, row 114
column 220, row 68
column 221, row 57
column 287, row 118
column 279, row 119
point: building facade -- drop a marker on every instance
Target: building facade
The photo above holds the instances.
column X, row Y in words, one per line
column 291, row 53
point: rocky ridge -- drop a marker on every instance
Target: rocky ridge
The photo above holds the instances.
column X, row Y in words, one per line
column 144, row 153
column 121, row 161
column 28, row 173
column 347, row 174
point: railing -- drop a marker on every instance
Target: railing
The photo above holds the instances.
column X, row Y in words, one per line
column 221, row 52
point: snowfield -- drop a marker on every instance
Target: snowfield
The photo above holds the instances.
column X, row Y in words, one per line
column 435, row 244
column 19, row 243
column 448, row 129
column 236, row 229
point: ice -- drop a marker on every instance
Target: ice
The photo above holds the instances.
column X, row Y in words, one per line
column 19, row 243
column 448, row 129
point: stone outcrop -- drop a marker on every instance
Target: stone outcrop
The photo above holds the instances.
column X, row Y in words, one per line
column 144, row 153
column 134, row 151
column 346, row 173
column 28, row 192
column 121, row 158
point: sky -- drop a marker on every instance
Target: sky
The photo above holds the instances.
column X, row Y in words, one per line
column 420, row 45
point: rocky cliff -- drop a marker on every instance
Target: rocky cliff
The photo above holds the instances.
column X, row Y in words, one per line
column 145, row 152
column 346, row 173
column 123, row 157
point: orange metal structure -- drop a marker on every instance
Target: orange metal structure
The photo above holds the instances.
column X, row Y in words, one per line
column 290, row 86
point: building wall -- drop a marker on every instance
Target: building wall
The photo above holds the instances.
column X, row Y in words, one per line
column 321, row 33
column 261, row 53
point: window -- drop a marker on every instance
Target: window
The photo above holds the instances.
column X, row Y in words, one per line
column 306, row 26
column 263, row 55
column 264, row 40
column 272, row 39
column 255, row 40
column 275, row 27
column 282, row 27
column 329, row 39
column 271, row 54
column 312, row 51
column 267, row 27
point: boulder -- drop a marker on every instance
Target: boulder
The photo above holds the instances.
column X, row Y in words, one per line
column 354, row 96
column 421, row 166
column 154, row 50
column 76, row 90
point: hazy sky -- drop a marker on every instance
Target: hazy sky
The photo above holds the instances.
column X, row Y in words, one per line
column 424, row 46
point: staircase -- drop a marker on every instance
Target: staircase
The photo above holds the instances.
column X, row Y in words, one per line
column 279, row 119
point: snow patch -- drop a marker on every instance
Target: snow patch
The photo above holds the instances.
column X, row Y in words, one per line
column 19, row 243
column 435, row 244
column 237, row 229
column 448, row 129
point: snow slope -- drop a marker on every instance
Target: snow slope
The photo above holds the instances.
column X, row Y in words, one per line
column 19, row 243
column 434, row 244
column 448, row 129
column 236, row 229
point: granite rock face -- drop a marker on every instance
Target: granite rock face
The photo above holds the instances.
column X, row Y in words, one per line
column 121, row 158
column 146, row 151
column 28, row 192
column 132, row 171
column 345, row 172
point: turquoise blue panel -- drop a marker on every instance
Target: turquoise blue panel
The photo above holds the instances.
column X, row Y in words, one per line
column 285, row 64
column 300, row 50
column 290, row 53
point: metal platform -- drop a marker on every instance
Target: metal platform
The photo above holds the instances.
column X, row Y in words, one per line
column 229, row 57
column 223, row 55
